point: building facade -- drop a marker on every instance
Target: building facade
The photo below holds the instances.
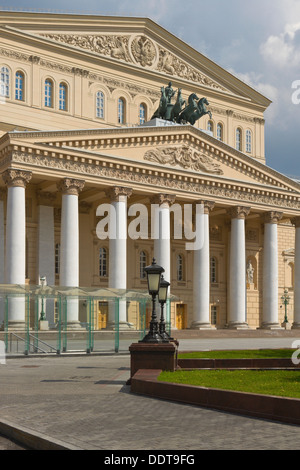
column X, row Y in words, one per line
column 79, row 132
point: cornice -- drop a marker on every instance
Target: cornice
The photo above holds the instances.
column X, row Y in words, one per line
column 175, row 135
column 111, row 171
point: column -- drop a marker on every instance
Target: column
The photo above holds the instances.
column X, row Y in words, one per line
column 16, row 181
column 201, row 288
column 162, row 234
column 2, row 253
column 270, row 270
column 69, row 244
column 162, row 241
column 46, row 246
column 237, row 269
column 296, row 323
column 118, row 252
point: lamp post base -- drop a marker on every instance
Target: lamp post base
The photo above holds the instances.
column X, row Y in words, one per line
column 153, row 356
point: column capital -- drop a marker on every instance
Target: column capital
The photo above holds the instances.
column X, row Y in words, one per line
column 272, row 217
column 238, row 212
column 13, row 178
column 208, row 205
column 163, row 199
column 70, row 186
column 45, row 198
column 116, row 192
column 296, row 221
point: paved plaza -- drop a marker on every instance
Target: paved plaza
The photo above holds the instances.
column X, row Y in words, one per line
column 83, row 402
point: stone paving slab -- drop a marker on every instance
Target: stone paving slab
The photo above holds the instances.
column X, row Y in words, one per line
column 84, row 403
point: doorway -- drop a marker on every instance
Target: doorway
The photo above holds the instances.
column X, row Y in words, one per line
column 181, row 316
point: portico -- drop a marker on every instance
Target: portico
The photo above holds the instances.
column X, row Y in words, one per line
column 224, row 237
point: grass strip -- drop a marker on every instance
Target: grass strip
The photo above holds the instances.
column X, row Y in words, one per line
column 283, row 383
column 239, row 354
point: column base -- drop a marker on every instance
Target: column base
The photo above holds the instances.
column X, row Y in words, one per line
column 237, row 325
column 197, row 325
column 74, row 325
column 123, row 326
column 16, row 326
column 296, row 326
column 270, row 326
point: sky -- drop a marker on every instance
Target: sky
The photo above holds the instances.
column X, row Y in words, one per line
column 257, row 41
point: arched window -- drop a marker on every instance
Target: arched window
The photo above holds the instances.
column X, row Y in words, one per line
column 143, row 264
column 4, row 82
column 142, row 113
column 210, row 126
column 48, row 93
column 19, row 86
column 100, row 104
column 248, row 141
column 180, row 267
column 121, row 111
column 213, row 270
column 238, row 139
column 219, row 132
column 102, row 262
column 63, row 97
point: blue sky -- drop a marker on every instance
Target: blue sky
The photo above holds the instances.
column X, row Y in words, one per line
column 258, row 41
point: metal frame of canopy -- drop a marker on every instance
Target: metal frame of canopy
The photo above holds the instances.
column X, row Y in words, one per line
column 34, row 294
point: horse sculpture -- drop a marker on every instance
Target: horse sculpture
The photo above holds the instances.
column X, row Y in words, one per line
column 162, row 109
column 194, row 110
column 180, row 102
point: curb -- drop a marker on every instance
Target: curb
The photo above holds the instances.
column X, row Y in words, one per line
column 269, row 407
column 31, row 439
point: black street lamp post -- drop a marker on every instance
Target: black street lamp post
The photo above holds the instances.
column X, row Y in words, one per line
column 162, row 298
column 154, row 273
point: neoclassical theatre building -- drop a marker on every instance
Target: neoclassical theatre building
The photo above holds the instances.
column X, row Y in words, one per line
column 83, row 123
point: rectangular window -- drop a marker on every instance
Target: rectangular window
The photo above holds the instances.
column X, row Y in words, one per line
column 213, row 314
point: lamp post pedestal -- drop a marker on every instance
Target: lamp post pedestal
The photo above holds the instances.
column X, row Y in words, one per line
column 161, row 356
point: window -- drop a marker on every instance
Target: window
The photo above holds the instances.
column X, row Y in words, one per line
column 100, row 104
column 213, row 314
column 102, row 262
column 180, row 268
column 142, row 114
column 143, row 264
column 210, row 126
column 213, row 270
column 121, row 111
column 63, row 96
column 57, row 258
column 248, row 141
column 48, row 93
column 238, row 139
column 4, row 82
column 19, row 88
column 220, row 132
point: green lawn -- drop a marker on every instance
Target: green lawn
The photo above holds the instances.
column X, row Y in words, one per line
column 239, row 354
column 285, row 383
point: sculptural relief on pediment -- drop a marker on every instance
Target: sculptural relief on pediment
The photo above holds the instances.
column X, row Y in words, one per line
column 184, row 157
column 138, row 50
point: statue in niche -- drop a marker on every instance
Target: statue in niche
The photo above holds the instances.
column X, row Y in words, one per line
column 250, row 273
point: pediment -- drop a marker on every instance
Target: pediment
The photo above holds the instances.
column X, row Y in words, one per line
column 137, row 42
column 139, row 50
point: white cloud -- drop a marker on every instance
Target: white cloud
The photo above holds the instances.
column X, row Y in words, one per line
column 283, row 50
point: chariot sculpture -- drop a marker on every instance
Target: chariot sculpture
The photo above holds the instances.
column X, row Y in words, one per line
column 181, row 112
